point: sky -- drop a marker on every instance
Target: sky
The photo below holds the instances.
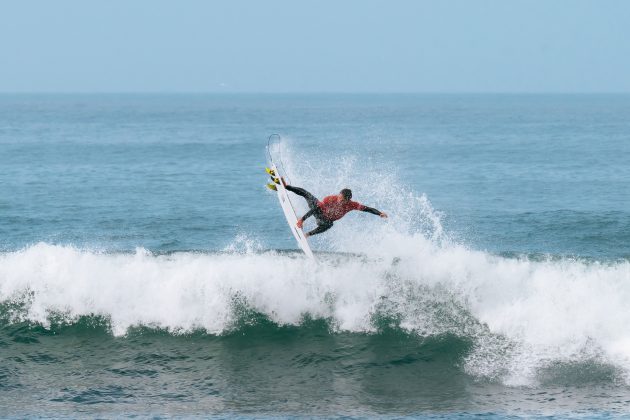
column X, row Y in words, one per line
column 441, row 46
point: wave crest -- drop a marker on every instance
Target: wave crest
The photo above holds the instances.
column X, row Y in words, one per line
column 522, row 316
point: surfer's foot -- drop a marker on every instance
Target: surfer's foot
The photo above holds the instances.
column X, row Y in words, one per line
column 272, row 187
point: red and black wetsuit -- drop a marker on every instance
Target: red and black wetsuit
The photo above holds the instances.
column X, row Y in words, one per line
column 328, row 210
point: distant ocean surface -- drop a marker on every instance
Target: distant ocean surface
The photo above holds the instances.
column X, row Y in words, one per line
column 145, row 270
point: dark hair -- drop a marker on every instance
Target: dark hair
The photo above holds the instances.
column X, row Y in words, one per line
column 347, row 194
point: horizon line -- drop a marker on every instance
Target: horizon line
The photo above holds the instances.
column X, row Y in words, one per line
column 183, row 92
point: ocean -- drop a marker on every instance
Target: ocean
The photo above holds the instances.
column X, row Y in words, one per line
column 146, row 271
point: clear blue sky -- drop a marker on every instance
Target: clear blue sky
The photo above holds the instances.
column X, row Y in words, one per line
column 314, row 46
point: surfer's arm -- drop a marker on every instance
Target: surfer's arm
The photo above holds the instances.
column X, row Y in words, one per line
column 306, row 216
column 373, row 211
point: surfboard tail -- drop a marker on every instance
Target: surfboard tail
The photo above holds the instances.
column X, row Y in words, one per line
column 289, row 211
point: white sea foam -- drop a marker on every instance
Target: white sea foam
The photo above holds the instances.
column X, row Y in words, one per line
column 521, row 315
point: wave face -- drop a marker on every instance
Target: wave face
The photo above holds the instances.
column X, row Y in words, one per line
column 520, row 316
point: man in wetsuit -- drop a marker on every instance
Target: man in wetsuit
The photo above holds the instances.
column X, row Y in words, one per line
column 330, row 209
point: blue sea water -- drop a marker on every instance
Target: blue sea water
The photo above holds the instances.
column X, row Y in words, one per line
column 146, row 270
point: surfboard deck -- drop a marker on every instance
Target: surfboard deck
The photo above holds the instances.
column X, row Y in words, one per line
column 289, row 214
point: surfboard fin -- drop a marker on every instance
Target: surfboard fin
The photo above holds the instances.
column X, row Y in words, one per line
column 272, row 187
column 270, row 172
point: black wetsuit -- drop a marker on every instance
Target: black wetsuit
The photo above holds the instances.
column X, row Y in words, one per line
column 323, row 223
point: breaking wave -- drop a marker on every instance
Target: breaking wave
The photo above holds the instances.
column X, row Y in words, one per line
column 520, row 315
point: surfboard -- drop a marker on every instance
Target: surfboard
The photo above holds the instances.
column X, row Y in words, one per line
column 289, row 214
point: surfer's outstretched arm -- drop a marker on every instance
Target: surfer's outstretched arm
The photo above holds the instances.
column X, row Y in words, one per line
column 374, row 211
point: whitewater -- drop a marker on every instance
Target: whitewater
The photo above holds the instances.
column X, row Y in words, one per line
column 522, row 315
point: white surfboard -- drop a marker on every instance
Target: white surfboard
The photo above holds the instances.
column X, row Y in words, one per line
column 289, row 213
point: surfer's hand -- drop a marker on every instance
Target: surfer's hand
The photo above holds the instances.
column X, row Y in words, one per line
column 299, row 223
column 383, row 215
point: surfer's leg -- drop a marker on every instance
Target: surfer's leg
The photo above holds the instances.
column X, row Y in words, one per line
column 321, row 227
column 311, row 200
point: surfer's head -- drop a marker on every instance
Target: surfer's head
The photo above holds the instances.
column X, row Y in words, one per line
column 346, row 194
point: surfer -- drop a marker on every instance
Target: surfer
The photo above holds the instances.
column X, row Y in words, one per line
column 330, row 209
